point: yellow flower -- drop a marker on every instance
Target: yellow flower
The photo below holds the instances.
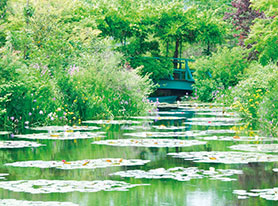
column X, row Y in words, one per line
column 250, row 100
column 75, row 100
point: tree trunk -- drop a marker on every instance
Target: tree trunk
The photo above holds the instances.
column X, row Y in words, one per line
column 176, row 54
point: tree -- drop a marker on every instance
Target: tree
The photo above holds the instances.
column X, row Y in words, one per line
column 176, row 24
column 264, row 33
column 242, row 18
column 211, row 30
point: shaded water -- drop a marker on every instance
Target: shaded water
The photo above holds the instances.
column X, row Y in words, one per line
column 204, row 191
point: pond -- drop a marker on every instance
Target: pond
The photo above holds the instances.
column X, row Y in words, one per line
column 183, row 155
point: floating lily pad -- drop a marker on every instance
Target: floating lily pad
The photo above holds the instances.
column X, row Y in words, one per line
column 268, row 194
column 13, row 202
column 213, row 131
column 3, row 175
column 256, row 147
column 181, row 173
column 150, row 142
column 160, row 134
column 139, row 127
column 212, row 123
column 214, row 119
column 225, row 157
column 159, row 117
column 65, row 128
column 171, row 112
column 63, row 186
column 238, row 138
column 80, row 164
column 191, row 133
column 62, row 135
column 206, row 109
column 111, row 122
column 218, row 114
column 18, row 144
column 5, row 132
column 163, row 127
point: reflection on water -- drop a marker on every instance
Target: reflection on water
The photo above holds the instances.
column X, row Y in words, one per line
column 160, row 191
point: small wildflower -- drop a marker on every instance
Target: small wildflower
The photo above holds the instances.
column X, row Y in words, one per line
column 29, row 113
column 41, row 112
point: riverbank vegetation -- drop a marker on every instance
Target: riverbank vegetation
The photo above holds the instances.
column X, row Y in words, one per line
column 66, row 61
column 245, row 76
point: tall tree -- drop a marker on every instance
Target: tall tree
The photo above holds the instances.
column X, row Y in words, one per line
column 243, row 18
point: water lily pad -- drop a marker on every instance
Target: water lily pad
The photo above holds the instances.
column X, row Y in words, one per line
column 138, row 127
column 18, row 144
column 237, row 138
column 62, row 135
column 213, row 131
column 3, row 175
column 268, row 194
column 159, row 117
column 225, row 157
column 181, row 173
column 206, row 109
column 111, row 122
column 163, row 127
column 214, row 119
column 256, row 147
column 209, row 123
column 191, row 133
column 13, row 202
column 5, row 132
column 160, row 134
column 171, row 112
column 63, row 186
column 80, row 164
column 218, row 114
column 65, row 128
column 150, row 142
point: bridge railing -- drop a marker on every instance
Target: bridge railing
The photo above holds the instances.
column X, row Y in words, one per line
column 181, row 68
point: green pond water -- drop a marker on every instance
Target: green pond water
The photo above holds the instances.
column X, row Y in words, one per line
column 203, row 191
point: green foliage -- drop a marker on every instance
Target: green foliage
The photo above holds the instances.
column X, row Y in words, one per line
column 211, row 31
column 254, row 97
column 218, row 72
column 268, row 112
column 49, row 73
column 264, row 33
column 161, row 68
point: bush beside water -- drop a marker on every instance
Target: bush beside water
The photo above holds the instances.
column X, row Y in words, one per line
column 61, row 72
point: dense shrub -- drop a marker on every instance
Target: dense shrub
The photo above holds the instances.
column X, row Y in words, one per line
column 254, row 97
column 220, row 71
column 62, row 73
